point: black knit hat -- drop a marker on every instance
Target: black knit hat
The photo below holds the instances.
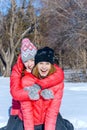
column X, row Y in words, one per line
column 44, row 54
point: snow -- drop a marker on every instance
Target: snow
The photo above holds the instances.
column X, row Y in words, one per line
column 74, row 104
column 73, row 107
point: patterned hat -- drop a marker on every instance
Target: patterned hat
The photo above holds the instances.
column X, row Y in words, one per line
column 28, row 50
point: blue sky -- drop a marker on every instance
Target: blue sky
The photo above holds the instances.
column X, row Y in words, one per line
column 5, row 5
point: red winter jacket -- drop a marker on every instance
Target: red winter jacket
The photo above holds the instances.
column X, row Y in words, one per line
column 19, row 94
column 15, row 108
column 41, row 111
column 15, row 81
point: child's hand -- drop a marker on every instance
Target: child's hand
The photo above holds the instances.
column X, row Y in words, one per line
column 33, row 91
column 47, row 94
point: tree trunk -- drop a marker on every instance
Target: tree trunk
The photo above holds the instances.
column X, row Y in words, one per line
column 84, row 61
column 7, row 71
column 60, row 59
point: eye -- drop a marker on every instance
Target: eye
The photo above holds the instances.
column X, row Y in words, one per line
column 47, row 63
column 32, row 60
column 26, row 62
column 40, row 63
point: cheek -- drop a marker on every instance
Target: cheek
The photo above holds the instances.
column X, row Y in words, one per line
column 48, row 67
column 25, row 64
column 38, row 67
column 33, row 63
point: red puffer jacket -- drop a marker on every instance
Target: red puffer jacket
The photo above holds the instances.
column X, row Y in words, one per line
column 15, row 108
column 15, row 81
column 19, row 94
column 41, row 111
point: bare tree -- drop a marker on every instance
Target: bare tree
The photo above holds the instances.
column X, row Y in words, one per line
column 15, row 26
column 66, row 25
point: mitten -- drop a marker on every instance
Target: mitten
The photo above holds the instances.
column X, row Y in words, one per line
column 47, row 94
column 33, row 91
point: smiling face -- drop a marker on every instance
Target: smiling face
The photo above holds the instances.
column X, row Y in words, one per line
column 43, row 68
column 29, row 65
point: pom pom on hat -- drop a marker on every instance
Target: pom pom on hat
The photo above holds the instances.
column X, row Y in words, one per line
column 45, row 54
column 28, row 50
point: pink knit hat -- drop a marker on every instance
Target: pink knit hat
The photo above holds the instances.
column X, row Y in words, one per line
column 28, row 50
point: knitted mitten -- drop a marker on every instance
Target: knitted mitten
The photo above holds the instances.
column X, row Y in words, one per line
column 33, row 91
column 47, row 94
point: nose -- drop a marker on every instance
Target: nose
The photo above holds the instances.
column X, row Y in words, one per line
column 44, row 66
column 29, row 64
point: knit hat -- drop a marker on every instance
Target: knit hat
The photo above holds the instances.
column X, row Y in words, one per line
column 44, row 54
column 28, row 50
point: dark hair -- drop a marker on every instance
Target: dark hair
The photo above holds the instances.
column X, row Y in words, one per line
column 23, row 71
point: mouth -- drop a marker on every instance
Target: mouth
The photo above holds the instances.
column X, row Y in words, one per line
column 43, row 73
column 30, row 67
column 43, row 70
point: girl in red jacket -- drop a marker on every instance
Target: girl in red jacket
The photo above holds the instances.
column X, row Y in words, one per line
column 26, row 58
column 43, row 106
column 28, row 51
column 33, row 93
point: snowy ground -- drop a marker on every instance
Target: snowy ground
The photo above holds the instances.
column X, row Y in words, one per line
column 74, row 105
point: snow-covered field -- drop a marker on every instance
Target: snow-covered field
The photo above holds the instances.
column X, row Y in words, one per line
column 73, row 107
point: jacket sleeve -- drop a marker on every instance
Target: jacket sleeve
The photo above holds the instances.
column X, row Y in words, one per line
column 15, row 85
column 15, row 82
column 53, row 110
column 53, row 79
column 27, row 112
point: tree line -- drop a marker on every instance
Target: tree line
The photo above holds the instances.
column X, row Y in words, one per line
column 60, row 24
